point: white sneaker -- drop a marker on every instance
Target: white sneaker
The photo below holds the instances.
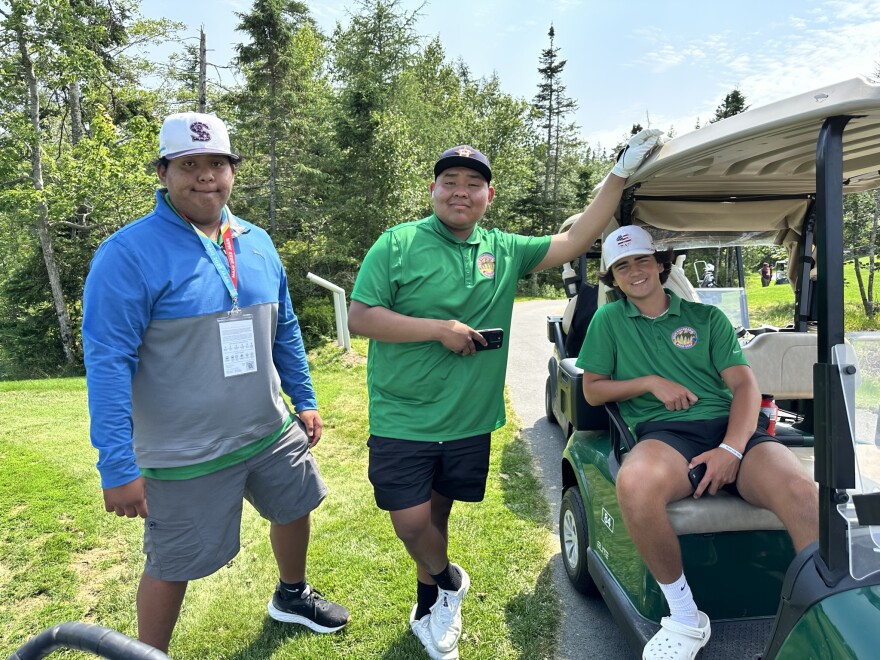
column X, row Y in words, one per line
column 446, row 614
column 420, row 630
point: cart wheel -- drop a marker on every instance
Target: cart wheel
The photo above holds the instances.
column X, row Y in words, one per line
column 574, row 540
column 548, row 403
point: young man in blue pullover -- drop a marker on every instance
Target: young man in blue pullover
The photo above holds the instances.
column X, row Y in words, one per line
column 189, row 339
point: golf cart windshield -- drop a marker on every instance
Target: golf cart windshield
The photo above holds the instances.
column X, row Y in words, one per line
column 862, row 394
column 731, row 301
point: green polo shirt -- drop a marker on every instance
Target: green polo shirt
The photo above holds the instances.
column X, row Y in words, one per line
column 422, row 390
column 691, row 345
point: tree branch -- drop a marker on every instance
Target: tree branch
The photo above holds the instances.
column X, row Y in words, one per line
column 13, row 182
column 73, row 225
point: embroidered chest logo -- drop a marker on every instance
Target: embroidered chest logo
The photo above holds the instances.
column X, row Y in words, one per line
column 684, row 337
column 486, row 264
column 200, row 132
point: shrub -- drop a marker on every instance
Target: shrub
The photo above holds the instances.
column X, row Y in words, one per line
column 317, row 320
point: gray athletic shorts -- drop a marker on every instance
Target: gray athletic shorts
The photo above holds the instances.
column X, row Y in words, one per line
column 194, row 525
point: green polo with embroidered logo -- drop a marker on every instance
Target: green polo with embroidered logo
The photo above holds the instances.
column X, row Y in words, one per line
column 691, row 344
column 422, row 390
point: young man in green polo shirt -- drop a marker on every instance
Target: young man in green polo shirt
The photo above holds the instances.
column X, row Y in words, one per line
column 423, row 292
column 686, row 390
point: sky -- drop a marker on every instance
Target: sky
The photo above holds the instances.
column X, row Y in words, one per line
column 660, row 63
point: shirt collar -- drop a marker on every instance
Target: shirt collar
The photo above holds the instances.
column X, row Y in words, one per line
column 674, row 306
column 442, row 230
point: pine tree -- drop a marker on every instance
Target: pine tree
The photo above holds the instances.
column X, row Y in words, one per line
column 282, row 65
column 733, row 104
column 553, row 106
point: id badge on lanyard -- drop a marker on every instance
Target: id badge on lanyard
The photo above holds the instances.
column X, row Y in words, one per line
column 237, row 344
column 238, row 349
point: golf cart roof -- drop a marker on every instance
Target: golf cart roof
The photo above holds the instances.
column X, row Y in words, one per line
column 753, row 175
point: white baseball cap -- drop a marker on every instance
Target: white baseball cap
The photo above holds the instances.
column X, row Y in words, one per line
column 625, row 242
column 189, row 133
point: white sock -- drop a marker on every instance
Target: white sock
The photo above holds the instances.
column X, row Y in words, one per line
column 682, row 608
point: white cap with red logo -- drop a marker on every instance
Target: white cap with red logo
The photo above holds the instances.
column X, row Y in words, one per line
column 624, row 242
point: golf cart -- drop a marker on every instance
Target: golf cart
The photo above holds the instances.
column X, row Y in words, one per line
column 774, row 175
column 780, row 271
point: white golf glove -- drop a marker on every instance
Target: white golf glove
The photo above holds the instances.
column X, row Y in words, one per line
column 636, row 150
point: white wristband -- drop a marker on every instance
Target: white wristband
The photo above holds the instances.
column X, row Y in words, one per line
column 733, row 451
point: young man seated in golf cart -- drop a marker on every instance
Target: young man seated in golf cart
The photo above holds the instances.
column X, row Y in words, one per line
column 685, row 388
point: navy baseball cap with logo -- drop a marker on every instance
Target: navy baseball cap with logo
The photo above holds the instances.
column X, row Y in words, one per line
column 192, row 133
column 463, row 156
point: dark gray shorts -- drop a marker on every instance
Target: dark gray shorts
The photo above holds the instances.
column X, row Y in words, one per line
column 404, row 472
column 194, row 525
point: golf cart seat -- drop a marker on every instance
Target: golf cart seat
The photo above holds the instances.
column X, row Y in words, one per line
column 723, row 512
column 678, row 283
column 577, row 316
column 783, row 363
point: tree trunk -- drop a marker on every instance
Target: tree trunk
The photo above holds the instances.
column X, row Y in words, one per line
column 273, row 181
column 871, row 252
column 555, row 217
column 203, row 72
column 76, row 123
column 865, row 302
column 42, row 220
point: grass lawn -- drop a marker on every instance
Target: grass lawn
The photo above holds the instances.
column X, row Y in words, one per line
column 774, row 304
column 62, row 558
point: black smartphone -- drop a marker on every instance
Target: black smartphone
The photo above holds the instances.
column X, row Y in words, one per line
column 494, row 337
column 696, row 475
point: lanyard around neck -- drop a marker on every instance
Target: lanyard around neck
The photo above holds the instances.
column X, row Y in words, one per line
column 230, row 276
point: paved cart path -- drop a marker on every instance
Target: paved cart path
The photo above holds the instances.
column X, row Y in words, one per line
column 588, row 631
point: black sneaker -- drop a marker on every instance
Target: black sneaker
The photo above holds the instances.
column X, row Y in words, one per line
column 309, row 609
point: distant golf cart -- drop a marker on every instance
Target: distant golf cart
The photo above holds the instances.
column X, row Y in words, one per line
column 774, row 175
column 780, row 272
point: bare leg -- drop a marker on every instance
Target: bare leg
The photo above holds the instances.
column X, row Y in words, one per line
column 424, row 532
column 771, row 477
column 653, row 475
column 290, row 545
column 158, row 607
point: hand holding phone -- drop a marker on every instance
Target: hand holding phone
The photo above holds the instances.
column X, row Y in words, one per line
column 494, row 338
column 696, row 475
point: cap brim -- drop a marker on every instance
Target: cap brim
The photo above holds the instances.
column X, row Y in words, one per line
column 460, row 161
column 195, row 152
column 629, row 253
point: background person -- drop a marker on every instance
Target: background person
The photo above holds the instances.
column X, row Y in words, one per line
column 687, row 391
column 189, row 338
column 766, row 274
column 423, row 291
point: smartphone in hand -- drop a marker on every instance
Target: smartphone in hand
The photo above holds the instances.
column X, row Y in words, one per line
column 696, row 475
column 494, row 337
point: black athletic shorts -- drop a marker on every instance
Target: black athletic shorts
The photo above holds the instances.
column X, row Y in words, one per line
column 693, row 437
column 404, row 472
